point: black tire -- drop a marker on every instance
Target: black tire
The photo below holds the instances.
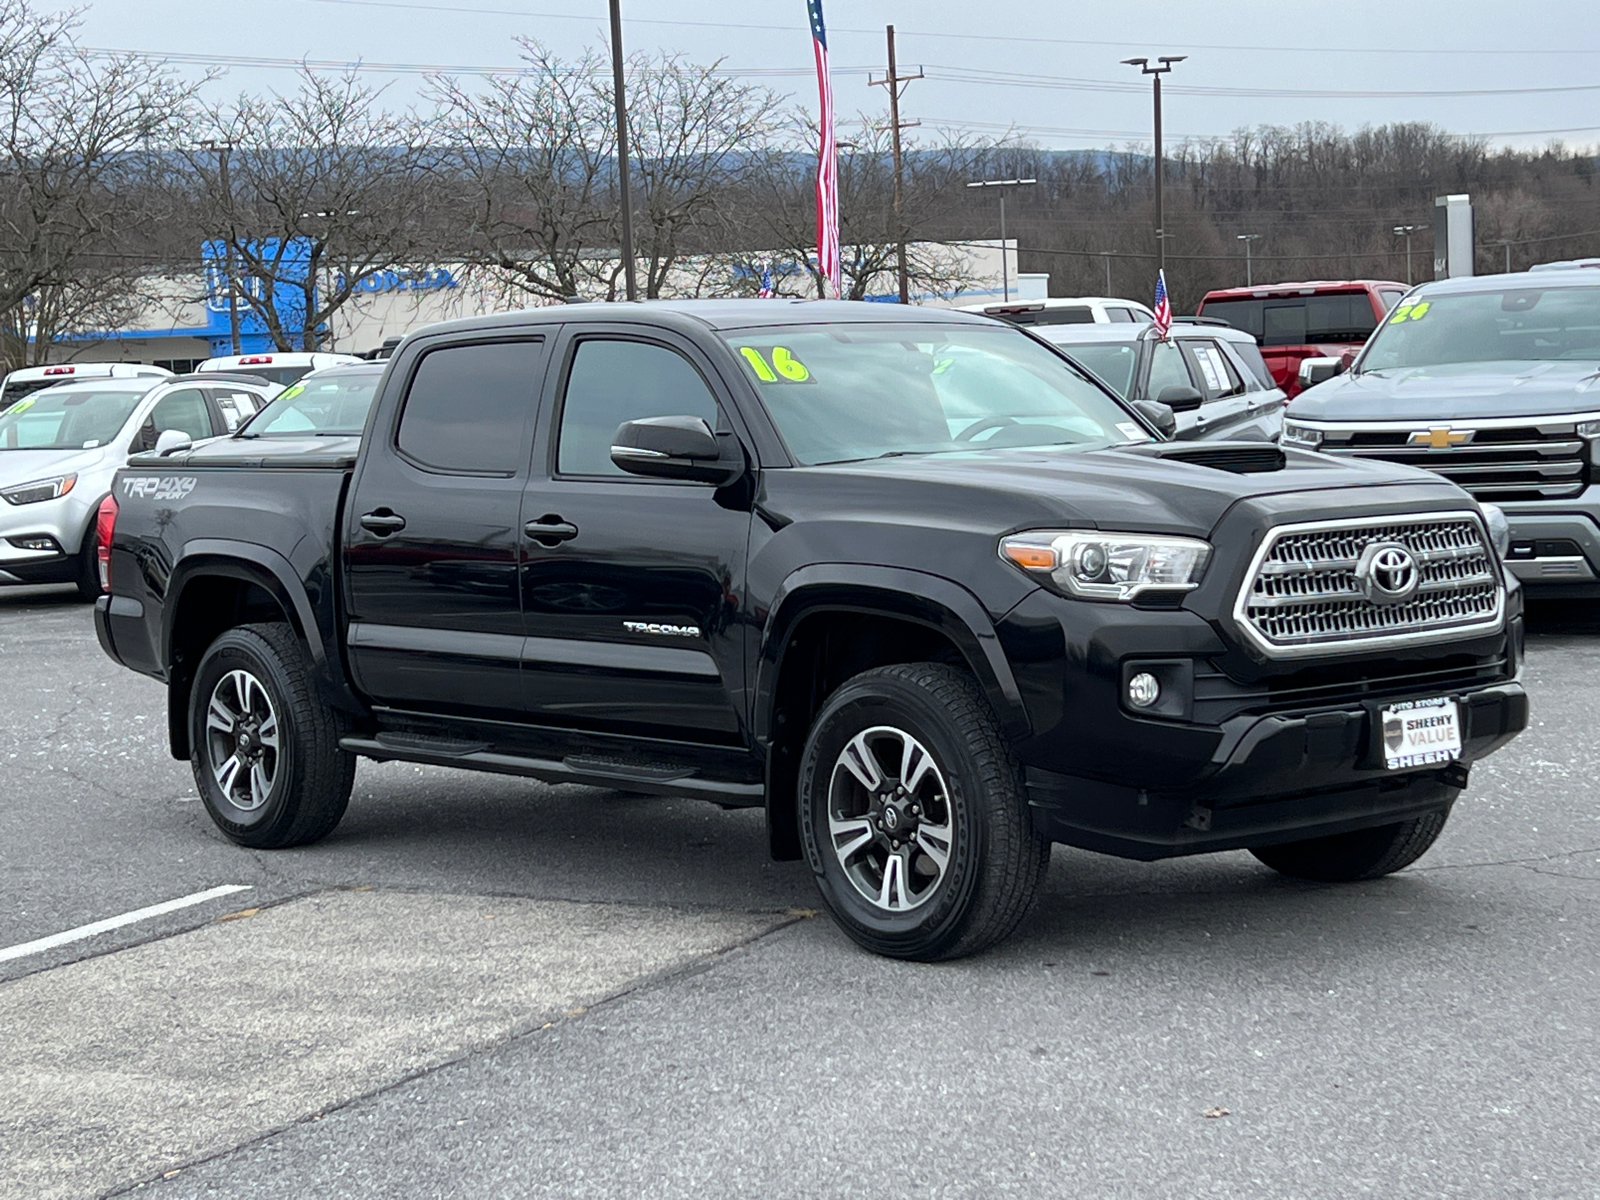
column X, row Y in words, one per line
column 86, row 569
column 306, row 777
column 1364, row 854
column 969, row 806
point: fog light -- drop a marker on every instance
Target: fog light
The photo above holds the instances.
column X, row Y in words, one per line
column 1143, row 690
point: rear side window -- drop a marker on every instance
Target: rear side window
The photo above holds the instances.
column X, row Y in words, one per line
column 614, row 380
column 1217, row 372
column 468, row 407
column 1250, row 356
column 1122, row 315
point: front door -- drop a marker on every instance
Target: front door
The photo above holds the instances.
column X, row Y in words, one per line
column 632, row 588
column 433, row 537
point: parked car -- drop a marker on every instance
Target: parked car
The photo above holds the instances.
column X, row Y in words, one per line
column 280, row 367
column 330, row 402
column 1295, row 321
column 1492, row 383
column 60, row 447
column 25, row 381
column 1211, row 376
column 1061, row 310
column 761, row 553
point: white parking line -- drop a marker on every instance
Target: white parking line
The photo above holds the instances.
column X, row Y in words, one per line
column 128, row 918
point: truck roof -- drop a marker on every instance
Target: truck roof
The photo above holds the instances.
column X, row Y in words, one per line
column 717, row 314
column 1306, row 286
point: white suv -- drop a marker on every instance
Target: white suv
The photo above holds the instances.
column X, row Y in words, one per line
column 1065, row 310
column 281, row 367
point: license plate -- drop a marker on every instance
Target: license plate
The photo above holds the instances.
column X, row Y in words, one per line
column 1419, row 732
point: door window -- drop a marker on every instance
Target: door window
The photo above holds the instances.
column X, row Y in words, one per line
column 1166, row 370
column 236, row 407
column 467, row 408
column 184, row 410
column 1124, row 315
column 614, row 380
column 1215, row 369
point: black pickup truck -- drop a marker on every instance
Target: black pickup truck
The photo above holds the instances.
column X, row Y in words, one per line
column 907, row 579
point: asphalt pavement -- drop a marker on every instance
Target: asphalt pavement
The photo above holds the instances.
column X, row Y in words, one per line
column 480, row 986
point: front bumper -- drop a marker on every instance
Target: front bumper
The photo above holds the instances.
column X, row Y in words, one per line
column 61, row 522
column 1277, row 778
column 1555, row 544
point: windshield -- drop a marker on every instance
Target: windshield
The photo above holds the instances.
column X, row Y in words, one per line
column 335, row 405
column 66, row 419
column 1516, row 325
column 840, row 393
column 1112, row 361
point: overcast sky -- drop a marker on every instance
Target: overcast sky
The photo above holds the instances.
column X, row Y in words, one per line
column 1042, row 66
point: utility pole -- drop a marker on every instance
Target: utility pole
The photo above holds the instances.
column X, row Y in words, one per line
column 1247, row 238
column 894, row 81
column 1405, row 232
column 1003, row 184
column 222, row 149
column 622, row 151
column 1166, row 61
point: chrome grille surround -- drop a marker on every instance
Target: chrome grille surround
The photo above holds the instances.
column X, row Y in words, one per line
column 1301, row 598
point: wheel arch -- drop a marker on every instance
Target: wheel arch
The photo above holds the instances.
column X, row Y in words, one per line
column 218, row 585
column 829, row 622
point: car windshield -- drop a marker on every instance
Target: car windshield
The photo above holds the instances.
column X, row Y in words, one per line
column 67, row 419
column 335, row 405
column 1527, row 324
column 1112, row 361
column 841, row 393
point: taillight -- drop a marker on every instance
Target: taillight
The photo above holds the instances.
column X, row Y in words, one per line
column 105, row 526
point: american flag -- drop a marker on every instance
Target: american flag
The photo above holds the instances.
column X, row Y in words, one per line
column 1163, row 320
column 828, row 261
column 767, row 292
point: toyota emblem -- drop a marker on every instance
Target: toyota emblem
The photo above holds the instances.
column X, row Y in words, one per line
column 1387, row 573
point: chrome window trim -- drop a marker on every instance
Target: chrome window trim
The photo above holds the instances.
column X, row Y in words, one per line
column 1424, row 637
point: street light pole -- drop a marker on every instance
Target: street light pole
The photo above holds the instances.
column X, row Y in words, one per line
column 1405, row 232
column 629, row 283
column 1106, row 254
column 1247, row 238
column 1003, row 184
column 1166, row 61
column 894, row 81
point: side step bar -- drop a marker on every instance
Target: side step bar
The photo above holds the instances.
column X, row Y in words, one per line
column 653, row 778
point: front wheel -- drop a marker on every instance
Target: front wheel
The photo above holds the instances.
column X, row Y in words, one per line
column 1364, row 854
column 264, row 749
column 914, row 816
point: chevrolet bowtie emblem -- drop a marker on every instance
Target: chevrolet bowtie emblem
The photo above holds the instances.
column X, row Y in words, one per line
column 1441, row 437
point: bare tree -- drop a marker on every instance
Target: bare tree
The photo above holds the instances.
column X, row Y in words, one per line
column 75, row 135
column 309, row 194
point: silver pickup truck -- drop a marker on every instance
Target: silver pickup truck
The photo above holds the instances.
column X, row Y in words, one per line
column 1494, row 383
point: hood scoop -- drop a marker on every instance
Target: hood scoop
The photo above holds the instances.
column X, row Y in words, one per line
column 1240, row 458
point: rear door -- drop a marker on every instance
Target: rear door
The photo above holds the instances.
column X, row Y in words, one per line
column 631, row 587
column 431, row 531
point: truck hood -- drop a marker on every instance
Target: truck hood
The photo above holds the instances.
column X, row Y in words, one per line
column 1133, row 488
column 24, row 466
column 1456, row 391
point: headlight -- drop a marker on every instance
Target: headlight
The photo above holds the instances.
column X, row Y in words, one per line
column 1108, row 566
column 1303, row 436
column 1589, row 429
column 1499, row 528
column 39, row 489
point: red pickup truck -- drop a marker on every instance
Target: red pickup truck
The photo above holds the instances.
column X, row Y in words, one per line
column 1295, row 321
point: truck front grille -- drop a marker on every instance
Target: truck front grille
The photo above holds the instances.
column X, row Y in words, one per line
column 1304, row 593
column 1544, row 461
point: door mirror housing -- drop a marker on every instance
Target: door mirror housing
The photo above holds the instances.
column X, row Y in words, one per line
column 1159, row 415
column 1179, row 398
column 172, row 441
column 674, row 448
column 1319, row 370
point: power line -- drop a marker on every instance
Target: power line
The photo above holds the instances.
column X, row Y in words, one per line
column 1303, row 48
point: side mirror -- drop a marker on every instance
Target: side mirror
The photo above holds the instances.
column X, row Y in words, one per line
column 172, row 441
column 1319, row 370
column 1159, row 415
column 673, row 448
column 1179, row 398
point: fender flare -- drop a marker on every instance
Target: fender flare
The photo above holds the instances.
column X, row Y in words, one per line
column 918, row 596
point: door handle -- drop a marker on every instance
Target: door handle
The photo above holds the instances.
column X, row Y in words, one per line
column 550, row 530
column 383, row 522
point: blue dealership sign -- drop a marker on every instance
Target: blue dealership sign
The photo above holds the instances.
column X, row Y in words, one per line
column 291, row 261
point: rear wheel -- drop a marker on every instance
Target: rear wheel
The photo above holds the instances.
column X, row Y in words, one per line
column 1364, row 854
column 265, row 751
column 914, row 816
